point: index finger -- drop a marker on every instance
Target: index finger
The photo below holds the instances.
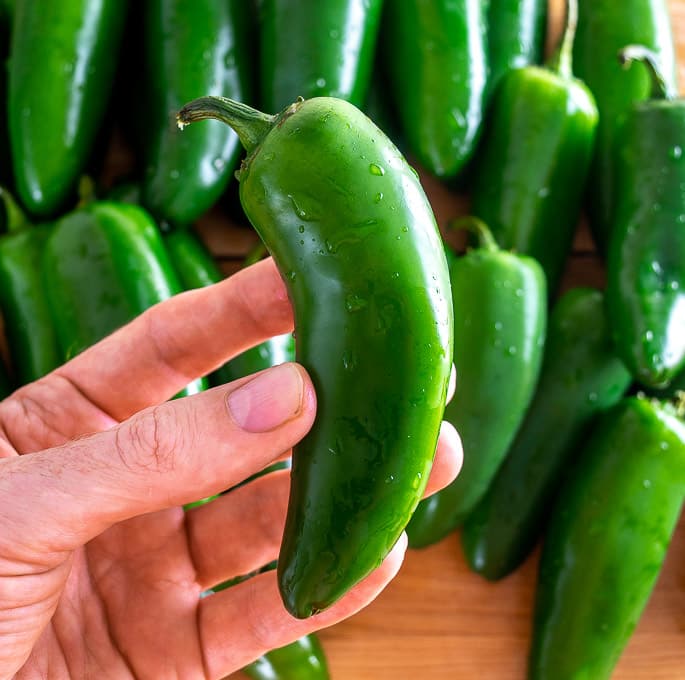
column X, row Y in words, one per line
column 161, row 351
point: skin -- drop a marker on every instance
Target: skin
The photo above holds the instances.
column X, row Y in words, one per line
column 100, row 570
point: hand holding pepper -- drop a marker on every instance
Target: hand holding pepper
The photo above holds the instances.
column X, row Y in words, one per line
column 101, row 571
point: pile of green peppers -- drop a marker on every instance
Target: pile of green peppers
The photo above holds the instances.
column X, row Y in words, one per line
column 569, row 401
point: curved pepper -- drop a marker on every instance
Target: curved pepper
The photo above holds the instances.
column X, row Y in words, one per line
column 604, row 28
column 580, row 377
column 192, row 47
column 34, row 350
column 606, row 541
column 516, row 36
column 438, row 67
column 646, row 261
column 328, row 192
column 61, row 70
column 534, row 159
column 500, row 313
column 103, row 265
column 311, row 48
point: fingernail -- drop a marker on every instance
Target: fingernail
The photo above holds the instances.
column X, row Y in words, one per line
column 272, row 398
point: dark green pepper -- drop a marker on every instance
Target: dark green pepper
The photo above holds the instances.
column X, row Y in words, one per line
column 300, row 660
column 103, row 265
column 604, row 28
column 192, row 47
column 534, row 159
column 61, row 70
column 311, row 48
column 606, row 541
column 516, row 36
column 437, row 65
column 500, row 313
column 646, row 260
column 34, row 350
column 355, row 239
column 581, row 376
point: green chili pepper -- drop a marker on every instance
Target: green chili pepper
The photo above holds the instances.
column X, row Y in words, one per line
column 355, row 239
column 61, row 70
column 34, row 350
column 581, row 376
column 192, row 47
column 103, row 265
column 606, row 541
column 535, row 157
column 646, row 260
column 301, row 660
column 500, row 303
column 311, row 48
column 516, row 36
column 438, row 66
column 604, row 28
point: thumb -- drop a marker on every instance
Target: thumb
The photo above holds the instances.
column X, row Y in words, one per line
column 164, row 456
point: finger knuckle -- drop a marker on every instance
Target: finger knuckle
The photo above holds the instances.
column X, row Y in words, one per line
column 146, row 441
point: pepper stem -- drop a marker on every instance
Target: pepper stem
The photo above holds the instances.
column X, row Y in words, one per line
column 481, row 231
column 250, row 125
column 660, row 88
column 14, row 219
column 562, row 61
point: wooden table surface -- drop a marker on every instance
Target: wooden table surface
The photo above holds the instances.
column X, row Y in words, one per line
column 437, row 620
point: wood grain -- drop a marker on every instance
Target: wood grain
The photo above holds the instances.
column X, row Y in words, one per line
column 439, row 621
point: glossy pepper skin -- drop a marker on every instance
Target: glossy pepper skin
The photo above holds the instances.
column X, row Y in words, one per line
column 604, row 28
column 103, row 265
column 606, row 541
column 31, row 338
column 196, row 268
column 192, row 47
column 516, row 36
column 438, row 68
column 645, row 270
column 500, row 315
column 534, row 159
column 301, row 660
column 311, row 48
column 61, row 70
column 328, row 192
column 581, row 376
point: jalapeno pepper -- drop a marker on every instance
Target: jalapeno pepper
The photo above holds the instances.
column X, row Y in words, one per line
column 604, row 28
column 34, row 350
column 645, row 266
column 192, row 47
column 301, row 660
column 534, row 159
column 61, row 70
column 103, row 265
column 581, row 376
column 311, row 48
column 437, row 65
column 606, row 541
column 516, row 36
column 500, row 303
column 328, row 192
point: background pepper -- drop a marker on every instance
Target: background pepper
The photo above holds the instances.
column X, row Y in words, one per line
column 534, row 158
column 437, row 67
column 31, row 338
column 500, row 303
column 327, row 192
column 646, row 261
column 604, row 28
column 61, row 70
column 516, row 36
column 311, row 48
column 192, row 47
column 606, row 541
column 580, row 377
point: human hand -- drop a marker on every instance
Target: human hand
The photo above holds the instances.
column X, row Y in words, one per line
column 101, row 570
